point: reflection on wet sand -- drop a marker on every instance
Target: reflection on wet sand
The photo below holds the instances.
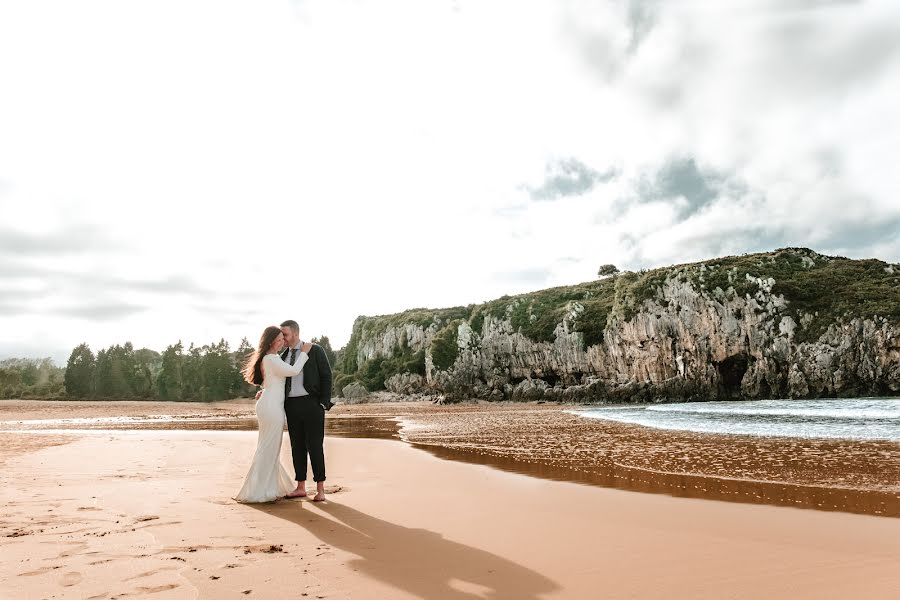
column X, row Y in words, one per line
column 351, row 427
column 622, row 477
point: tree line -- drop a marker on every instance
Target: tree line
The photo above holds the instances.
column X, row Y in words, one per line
column 30, row 378
column 119, row 372
column 200, row 373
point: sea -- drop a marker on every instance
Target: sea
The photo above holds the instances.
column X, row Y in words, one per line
column 844, row 418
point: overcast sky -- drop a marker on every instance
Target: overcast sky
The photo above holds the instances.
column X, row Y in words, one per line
column 198, row 170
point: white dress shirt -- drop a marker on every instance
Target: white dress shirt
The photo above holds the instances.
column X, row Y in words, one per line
column 297, row 388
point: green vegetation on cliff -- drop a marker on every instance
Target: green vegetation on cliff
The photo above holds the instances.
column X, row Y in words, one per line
column 444, row 349
column 819, row 291
column 829, row 289
column 373, row 373
column 537, row 314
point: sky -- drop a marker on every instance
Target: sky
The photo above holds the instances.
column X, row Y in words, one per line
column 197, row 170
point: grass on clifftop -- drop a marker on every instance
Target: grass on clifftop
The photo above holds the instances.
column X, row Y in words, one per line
column 829, row 288
column 536, row 314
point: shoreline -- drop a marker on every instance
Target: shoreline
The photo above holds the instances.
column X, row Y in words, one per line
column 552, row 442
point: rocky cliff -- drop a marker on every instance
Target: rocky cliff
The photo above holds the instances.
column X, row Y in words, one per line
column 790, row 323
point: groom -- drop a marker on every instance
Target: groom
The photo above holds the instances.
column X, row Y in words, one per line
column 306, row 398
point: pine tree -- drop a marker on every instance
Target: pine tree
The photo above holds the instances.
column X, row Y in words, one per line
column 79, row 376
column 102, row 381
column 170, row 381
column 326, row 346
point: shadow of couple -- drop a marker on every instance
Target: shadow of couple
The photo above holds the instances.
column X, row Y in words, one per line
column 418, row 561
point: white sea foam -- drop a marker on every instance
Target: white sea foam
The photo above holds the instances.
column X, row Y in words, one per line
column 850, row 418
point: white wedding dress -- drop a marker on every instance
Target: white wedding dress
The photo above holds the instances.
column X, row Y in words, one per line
column 267, row 479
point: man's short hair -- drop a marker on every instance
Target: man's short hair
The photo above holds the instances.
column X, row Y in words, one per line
column 292, row 324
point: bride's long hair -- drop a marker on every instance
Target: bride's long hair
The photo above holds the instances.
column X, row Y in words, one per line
column 252, row 371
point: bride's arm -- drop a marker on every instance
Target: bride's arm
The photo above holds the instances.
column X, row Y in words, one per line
column 283, row 369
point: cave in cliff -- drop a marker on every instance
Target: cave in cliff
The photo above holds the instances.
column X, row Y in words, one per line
column 731, row 373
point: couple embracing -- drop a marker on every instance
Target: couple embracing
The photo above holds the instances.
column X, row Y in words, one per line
column 296, row 384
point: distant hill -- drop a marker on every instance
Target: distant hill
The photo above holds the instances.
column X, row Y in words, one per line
column 789, row 323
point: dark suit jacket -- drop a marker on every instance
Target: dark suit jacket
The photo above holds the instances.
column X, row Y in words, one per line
column 317, row 376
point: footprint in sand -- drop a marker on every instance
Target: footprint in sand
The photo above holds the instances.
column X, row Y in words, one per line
column 78, row 548
column 156, row 589
column 71, row 578
column 40, row 571
column 149, row 573
column 18, row 533
column 265, row 548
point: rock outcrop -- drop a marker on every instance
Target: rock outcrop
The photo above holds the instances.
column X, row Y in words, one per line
column 791, row 323
column 354, row 391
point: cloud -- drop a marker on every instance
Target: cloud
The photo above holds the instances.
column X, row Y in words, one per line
column 732, row 127
column 680, row 181
column 13, row 309
column 568, row 177
column 607, row 36
column 173, row 284
column 804, row 5
column 73, row 239
column 807, row 55
column 739, row 239
column 32, row 349
column 77, row 272
column 53, row 279
column 744, row 224
column 101, row 311
column 853, row 236
column 530, row 276
column 642, row 16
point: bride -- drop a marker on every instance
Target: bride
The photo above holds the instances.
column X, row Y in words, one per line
column 267, row 479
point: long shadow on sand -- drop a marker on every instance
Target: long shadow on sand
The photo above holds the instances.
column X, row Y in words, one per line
column 418, row 561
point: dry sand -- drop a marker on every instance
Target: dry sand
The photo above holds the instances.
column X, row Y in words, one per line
column 148, row 513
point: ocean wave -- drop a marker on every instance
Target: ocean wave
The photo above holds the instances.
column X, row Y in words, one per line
column 813, row 411
column 862, row 419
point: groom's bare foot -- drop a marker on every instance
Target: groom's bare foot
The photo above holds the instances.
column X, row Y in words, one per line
column 320, row 492
column 300, row 492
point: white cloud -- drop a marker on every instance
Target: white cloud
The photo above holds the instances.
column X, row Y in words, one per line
column 323, row 159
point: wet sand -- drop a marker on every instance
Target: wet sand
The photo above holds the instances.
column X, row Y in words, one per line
column 146, row 513
column 548, row 441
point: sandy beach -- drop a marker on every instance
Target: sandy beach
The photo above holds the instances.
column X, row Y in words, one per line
column 134, row 513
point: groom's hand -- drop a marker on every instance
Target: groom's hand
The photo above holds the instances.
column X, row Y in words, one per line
column 258, row 394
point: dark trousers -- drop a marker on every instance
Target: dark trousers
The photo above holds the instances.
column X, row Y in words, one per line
column 306, row 427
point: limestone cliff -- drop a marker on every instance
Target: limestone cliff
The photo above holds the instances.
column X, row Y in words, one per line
column 791, row 323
